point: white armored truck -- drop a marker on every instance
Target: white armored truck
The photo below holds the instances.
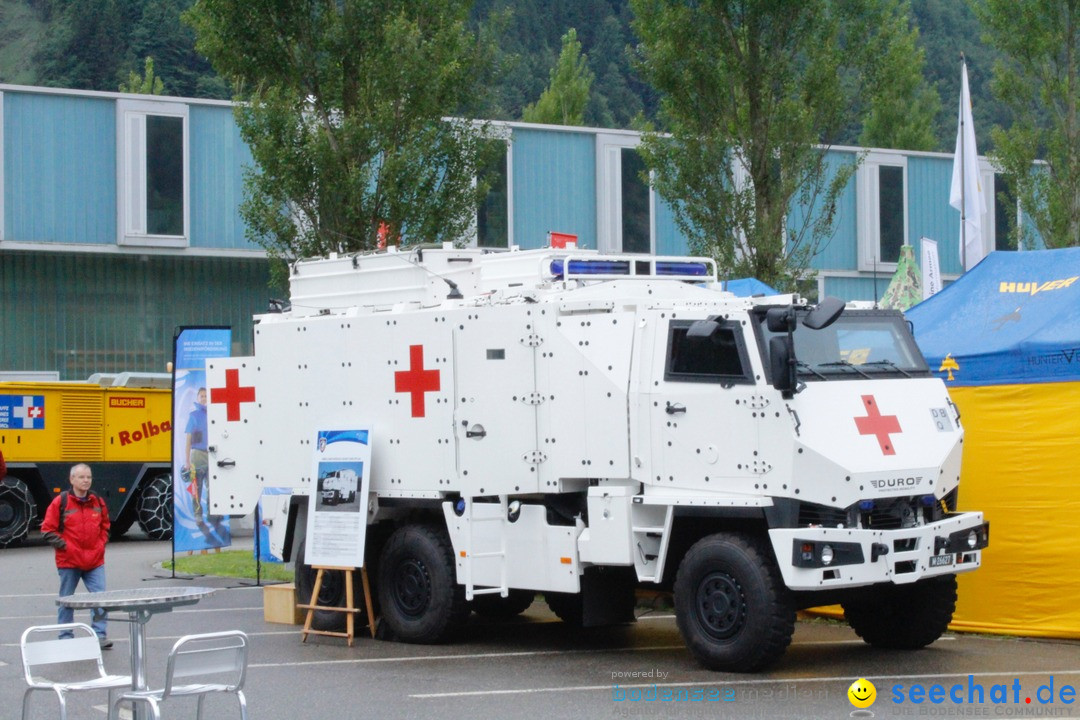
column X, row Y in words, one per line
column 583, row 425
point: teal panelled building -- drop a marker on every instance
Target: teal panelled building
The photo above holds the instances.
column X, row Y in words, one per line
column 119, row 221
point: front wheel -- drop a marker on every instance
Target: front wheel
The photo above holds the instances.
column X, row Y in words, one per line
column 731, row 605
column 905, row 617
column 17, row 510
column 420, row 599
column 154, row 510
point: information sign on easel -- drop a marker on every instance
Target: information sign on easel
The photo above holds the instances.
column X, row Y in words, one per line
column 337, row 517
column 337, row 523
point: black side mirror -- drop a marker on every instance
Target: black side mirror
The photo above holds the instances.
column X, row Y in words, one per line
column 780, row 320
column 782, row 365
column 825, row 314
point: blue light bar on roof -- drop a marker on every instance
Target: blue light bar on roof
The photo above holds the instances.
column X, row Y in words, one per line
column 592, row 267
column 623, row 267
column 692, row 269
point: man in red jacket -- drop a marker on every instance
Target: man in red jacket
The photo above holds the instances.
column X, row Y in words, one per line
column 78, row 532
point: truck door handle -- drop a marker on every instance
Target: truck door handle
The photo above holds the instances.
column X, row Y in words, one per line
column 676, row 408
column 226, row 463
column 479, row 432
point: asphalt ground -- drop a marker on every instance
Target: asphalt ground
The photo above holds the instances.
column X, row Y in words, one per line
column 535, row 666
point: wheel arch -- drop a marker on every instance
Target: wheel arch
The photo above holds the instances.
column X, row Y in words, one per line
column 692, row 524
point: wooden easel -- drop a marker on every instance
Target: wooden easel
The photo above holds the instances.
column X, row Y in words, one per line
column 350, row 607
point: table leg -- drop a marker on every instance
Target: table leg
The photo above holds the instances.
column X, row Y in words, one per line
column 137, row 633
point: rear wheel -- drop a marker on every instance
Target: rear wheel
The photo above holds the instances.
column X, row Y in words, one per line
column 17, row 510
column 497, row 606
column 905, row 617
column 154, row 509
column 332, row 592
column 568, row 607
column 419, row 596
column 731, row 605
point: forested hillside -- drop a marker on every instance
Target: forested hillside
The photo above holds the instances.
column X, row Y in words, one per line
column 96, row 44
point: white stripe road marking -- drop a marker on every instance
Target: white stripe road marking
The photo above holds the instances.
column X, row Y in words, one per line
column 123, row 638
column 731, row 683
column 523, row 653
column 115, row 612
column 469, row 656
column 53, row 594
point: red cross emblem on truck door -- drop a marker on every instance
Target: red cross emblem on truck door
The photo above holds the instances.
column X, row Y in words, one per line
column 878, row 425
column 232, row 395
column 416, row 380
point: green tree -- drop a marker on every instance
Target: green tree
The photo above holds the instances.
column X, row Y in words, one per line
column 343, row 107
column 147, row 84
column 567, row 93
column 753, row 93
column 903, row 106
column 1038, row 79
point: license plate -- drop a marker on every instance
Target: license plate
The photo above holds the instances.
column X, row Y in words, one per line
column 941, row 560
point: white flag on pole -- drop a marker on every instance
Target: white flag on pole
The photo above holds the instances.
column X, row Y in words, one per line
column 930, row 269
column 966, row 192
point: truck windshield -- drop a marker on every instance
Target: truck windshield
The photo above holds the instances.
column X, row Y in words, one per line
column 860, row 344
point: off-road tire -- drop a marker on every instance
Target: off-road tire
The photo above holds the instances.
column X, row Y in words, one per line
column 332, row 592
column 419, row 597
column 17, row 510
column 568, row 607
column 905, row 617
column 731, row 605
column 155, row 507
column 499, row 607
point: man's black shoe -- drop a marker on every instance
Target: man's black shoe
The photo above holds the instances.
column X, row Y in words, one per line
column 106, row 643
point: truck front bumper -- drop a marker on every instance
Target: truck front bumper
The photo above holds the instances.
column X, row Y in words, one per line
column 819, row 558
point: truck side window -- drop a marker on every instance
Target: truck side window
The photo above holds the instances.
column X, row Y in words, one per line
column 719, row 358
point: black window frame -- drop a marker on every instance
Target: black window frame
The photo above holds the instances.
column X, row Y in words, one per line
column 677, row 333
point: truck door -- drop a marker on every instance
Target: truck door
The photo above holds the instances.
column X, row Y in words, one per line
column 495, row 403
column 704, row 407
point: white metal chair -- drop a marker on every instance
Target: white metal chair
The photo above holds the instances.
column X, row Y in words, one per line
column 201, row 656
column 79, row 651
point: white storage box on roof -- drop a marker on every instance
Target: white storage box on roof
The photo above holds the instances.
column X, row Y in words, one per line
column 383, row 279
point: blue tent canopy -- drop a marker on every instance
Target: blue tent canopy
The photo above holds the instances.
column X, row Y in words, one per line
column 1014, row 318
column 748, row 287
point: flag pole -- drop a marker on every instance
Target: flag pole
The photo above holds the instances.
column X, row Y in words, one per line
column 963, row 182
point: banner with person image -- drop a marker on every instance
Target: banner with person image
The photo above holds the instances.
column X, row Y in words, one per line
column 193, row 526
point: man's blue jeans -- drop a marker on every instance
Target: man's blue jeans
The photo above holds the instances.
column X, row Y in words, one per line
column 94, row 580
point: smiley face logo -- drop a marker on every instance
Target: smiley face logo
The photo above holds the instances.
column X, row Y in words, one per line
column 862, row 693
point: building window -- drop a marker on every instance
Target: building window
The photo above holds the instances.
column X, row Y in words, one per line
column 1006, row 213
column 636, row 218
column 625, row 204
column 152, row 173
column 882, row 209
column 493, row 215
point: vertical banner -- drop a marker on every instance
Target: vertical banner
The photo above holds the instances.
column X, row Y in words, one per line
column 193, row 526
column 273, row 523
column 337, row 507
column 931, row 270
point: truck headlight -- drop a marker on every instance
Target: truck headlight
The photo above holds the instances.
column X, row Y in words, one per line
column 826, row 554
column 972, row 539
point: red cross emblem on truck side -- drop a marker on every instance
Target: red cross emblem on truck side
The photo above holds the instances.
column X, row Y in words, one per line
column 878, row 425
column 232, row 395
column 416, row 380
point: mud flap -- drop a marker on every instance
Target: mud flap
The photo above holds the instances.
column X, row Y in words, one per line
column 607, row 595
